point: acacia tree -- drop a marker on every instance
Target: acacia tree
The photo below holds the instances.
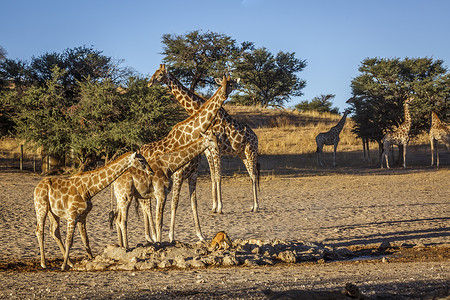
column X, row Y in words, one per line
column 268, row 80
column 383, row 85
column 197, row 58
column 321, row 103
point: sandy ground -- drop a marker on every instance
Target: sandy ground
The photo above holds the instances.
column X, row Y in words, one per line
column 357, row 208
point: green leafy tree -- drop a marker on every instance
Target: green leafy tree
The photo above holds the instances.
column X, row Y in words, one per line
column 321, row 103
column 383, row 85
column 104, row 120
column 40, row 116
column 268, row 80
column 196, row 58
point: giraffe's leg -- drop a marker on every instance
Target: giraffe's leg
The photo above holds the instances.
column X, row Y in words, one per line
column 334, row 154
column 212, row 171
column 437, row 153
column 404, row 156
column 149, row 225
column 432, row 150
column 193, row 195
column 160, row 191
column 84, row 238
column 123, row 205
column 177, row 179
column 384, row 155
column 41, row 215
column 319, row 153
column 56, row 234
column 250, row 160
column 217, row 179
column 71, row 221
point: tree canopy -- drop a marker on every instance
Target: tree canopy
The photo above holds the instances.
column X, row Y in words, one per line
column 268, row 80
column 196, row 58
column 321, row 103
column 90, row 113
column 379, row 91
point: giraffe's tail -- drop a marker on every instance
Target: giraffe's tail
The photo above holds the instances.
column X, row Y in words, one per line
column 112, row 217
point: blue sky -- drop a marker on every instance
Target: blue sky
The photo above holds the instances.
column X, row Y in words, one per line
column 332, row 36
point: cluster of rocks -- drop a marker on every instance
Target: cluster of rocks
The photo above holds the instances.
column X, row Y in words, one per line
column 182, row 255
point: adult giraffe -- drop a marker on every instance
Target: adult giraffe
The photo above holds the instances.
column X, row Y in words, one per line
column 234, row 138
column 181, row 134
column 70, row 198
column 439, row 132
column 142, row 184
column 331, row 137
column 399, row 136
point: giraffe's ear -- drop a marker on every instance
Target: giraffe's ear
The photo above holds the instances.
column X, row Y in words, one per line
column 218, row 81
column 133, row 156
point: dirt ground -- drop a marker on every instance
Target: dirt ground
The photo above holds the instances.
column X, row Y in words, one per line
column 359, row 207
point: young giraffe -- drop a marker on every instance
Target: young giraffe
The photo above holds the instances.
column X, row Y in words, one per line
column 163, row 166
column 439, row 131
column 234, row 138
column 331, row 137
column 399, row 137
column 181, row 134
column 70, row 198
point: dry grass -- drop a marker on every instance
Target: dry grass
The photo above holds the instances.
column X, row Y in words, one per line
column 10, row 148
column 292, row 132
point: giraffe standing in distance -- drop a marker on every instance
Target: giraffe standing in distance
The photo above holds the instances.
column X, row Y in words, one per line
column 439, row 132
column 331, row 137
column 181, row 134
column 399, row 137
column 141, row 186
column 70, row 198
column 234, row 138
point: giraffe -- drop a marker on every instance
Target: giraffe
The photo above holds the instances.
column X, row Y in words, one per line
column 439, row 131
column 70, row 198
column 141, row 188
column 399, row 137
column 181, row 134
column 234, row 139
column 331, row 137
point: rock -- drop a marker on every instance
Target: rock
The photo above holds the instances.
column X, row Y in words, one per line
column 287, row 256
column 230, row 260
column 384, row 246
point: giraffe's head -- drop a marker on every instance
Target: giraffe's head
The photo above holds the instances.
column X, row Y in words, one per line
column 227, row 84
column 210, row 140
column 139, row 162
column 159, row 76
column 409, row 100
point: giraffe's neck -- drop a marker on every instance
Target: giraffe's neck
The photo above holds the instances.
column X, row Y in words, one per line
column 199, row 122
column 170, row 162
column 341, row 123
column 188, row 99
column 407, row 122
column 100, row 178
column 435, row 122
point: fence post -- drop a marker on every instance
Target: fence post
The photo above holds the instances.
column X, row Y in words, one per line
column 21, row 158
